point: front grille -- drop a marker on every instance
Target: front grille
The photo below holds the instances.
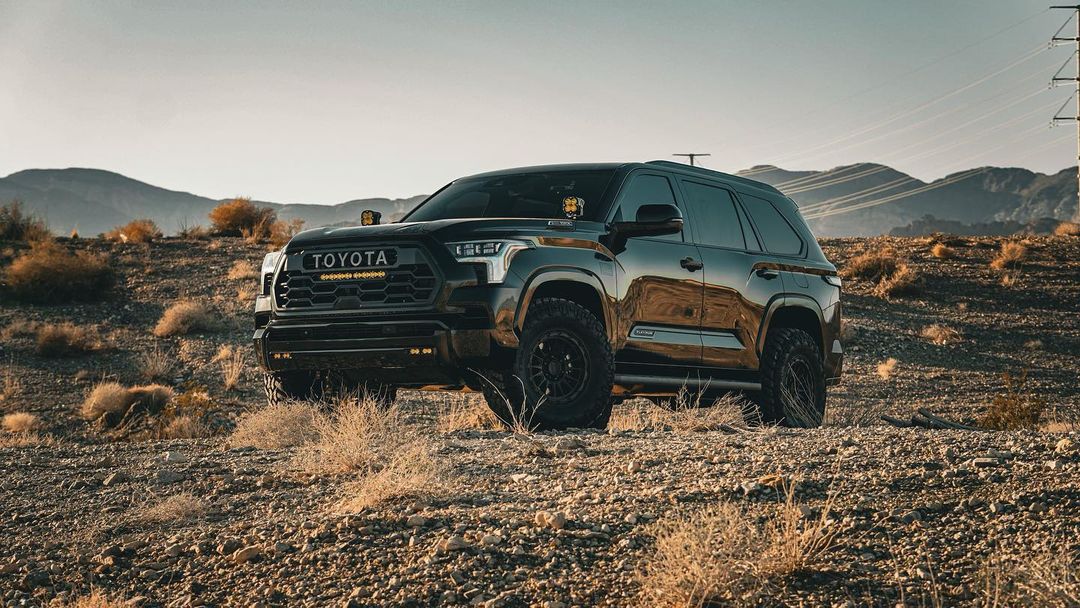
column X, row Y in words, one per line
column 411, row 282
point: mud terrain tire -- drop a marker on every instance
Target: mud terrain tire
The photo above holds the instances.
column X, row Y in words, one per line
column 792, row 380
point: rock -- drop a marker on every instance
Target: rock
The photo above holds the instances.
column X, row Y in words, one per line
column 174, row 457
column 228, row 547
column 491, row 540
column 35, row 579
column 455, row 543
column 1055, row 465
column 165, row 476
column 246, row 554
column 114, row 479
column 633, row 466
column 1065, row 446
column 174, row 550
column 416, row 521
column 547, row 519
column 554, row 604
column 280, row 547
column 985, row 462
column 998, row 507
column 569, row 444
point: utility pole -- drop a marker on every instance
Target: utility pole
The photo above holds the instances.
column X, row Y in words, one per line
column 1076, row 90
column 694, row 155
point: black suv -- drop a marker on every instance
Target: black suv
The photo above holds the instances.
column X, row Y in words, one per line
column 560, row 290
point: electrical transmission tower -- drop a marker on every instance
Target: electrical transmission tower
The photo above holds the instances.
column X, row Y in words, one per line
column 693, row 155
column 1054, row 40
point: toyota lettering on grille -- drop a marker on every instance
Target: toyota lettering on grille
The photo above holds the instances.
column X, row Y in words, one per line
column 357, row 258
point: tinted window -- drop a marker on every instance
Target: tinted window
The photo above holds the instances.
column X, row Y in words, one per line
column 715, row 220
column 748, row 230
column 645, row 190
column 777, row 235
column 520, row 195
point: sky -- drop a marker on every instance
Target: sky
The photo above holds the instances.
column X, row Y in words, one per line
column 323, row 102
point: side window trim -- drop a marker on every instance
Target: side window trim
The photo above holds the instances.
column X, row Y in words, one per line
column 694, row 223
column 803, row 249
column 676, row 195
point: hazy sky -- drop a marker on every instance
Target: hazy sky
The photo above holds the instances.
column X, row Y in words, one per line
column 323, row 102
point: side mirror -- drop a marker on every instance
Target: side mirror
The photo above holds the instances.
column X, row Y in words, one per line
column 651, row 220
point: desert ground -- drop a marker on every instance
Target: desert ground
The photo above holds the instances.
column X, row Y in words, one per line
column 141, row 466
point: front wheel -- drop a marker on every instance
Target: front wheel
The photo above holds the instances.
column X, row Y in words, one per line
column 562, row 373
column 323, row 386
column 792, row 380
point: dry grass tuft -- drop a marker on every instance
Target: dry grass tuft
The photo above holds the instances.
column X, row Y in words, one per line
column 135, row 231
column 726, row 557
column 411, row 472
column 48, row 273
column 241, row 217
column 871, row 265
column 173, row 509
column 1012, row 254
column 281, row 232
column 96, row 599
column 65, row 340
column 278, row 426
column 942, row 251
column 904, row 281
column 686, row 413
column 1050, row 580
column 185, row 427
column 1010, row 279
column 242, row 270
column 886, row 368
column 113, row 398
column 155, row 365
column 17, row 225
column 184, row 318
column 193, row 232
column 465, row 411
column 1015, row 408
column 10, row 384
column 1067, row 229
column 21, row 422
column 233, row 366
column 940, row 334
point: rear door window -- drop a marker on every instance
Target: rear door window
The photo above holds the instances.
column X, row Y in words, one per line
column 715, row 219
column 776, row 233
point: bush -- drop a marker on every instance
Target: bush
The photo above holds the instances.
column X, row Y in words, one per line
column 16, row 225
column 943, row 251
column 176, row 508
column 48, row 273
column 136, row 231
column 872, row 265
column 282, row 425
column 1067, row 229
column 1015, row 408
column 282, row 232
column 239, row 216
column 242, row 270
column 112, row 400
column 65, row 340
column 20, row 422
column 903, row 281
column 1012, row 254
column 183, row 318
column 940, row 334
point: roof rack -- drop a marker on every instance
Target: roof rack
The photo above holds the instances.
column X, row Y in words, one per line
column 712, row 173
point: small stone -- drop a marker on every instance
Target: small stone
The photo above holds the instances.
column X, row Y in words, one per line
column 246, row 554
column 1055, row 465
column 998, row 507
column 1038, row 507
column 633, row 466
column 35, row 578
column 455, row 543
column 569, row 444
column 416, row 521
column 554, row 604
column 174, row 457
column 228, row 547
column 985, row 462
column 631, row 518
column 491, row 540
column 280, row 547
column 165, row 476
column 174, row 550
column 114, row 479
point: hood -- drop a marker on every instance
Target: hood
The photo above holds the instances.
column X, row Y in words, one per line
column 441, row 230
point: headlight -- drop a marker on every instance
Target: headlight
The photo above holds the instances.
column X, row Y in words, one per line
column 495, row 255
column 269, row 263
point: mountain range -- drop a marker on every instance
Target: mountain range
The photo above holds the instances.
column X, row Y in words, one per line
column 93, row 200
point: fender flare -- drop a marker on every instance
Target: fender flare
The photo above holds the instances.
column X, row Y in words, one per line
column 571, row 274
column 790, row 300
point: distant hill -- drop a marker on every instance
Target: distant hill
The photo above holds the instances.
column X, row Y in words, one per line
column 94, row 201
column 993, row 198
column 991, row 194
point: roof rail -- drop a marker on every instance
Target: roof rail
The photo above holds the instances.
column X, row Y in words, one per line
column 712, row 173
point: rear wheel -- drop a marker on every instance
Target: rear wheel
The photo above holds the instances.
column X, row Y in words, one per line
column 792, row 379
column 562, row 372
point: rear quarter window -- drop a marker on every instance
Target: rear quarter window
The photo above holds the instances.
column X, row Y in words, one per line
column 776, row 233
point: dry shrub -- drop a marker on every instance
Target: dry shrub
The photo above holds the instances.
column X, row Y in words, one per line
column 1050, row 580
column 903, row 281
column 192, row 232
column 1015, row 408
column 65, row 340
column 1033, row 344
column 411, row 472
column 1012, row 254
column 241, row 217
column 135, row 231
column 940, row 334
column 886, row 368
column 942, row 251
column 1010, row 279
column 21, row 422
column 185, row 427
column 155, row 365
column 10, row 384
column 725, row 557
column 246, row 295
column 356, row 436
column 281, row 232
column 112, row 398
column 173, row 509
column 20, row 328
column 242, row 270
column 96, row 599
column 48, row 273
column 1067, row 229
column 871, row 265
column 27, row 440
column 464, row 411
column 276, row 426
column 232, row 368
column 685, row 413
column 17, row 225
column 183, row 318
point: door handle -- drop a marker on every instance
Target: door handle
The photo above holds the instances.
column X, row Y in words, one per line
column 691, row 264
column 767, row 273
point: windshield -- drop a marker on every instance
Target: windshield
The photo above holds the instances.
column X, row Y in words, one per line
column 524, row 195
